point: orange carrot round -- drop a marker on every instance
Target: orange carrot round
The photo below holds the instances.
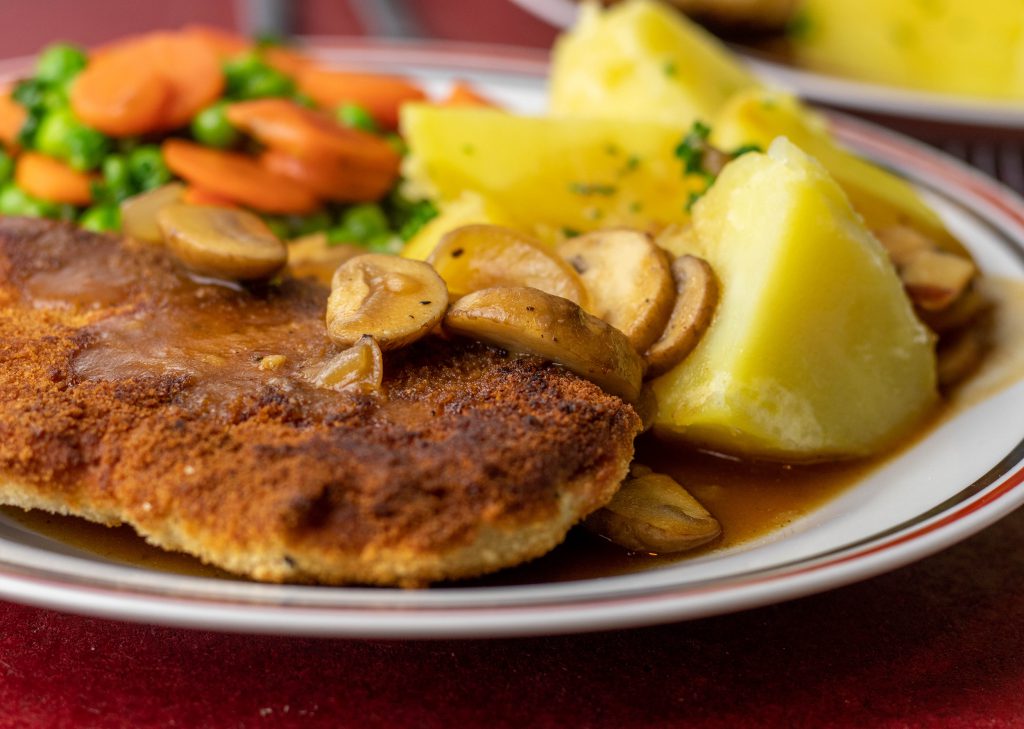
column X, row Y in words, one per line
column 198, row 196
column 191, row 69
column 463, row 93
column 50, row 179
column 329, row 178
column 285, row 126
column 382, row 96
column 236, row 177
column 12, row 117
column 119, row 94
column 223, row 43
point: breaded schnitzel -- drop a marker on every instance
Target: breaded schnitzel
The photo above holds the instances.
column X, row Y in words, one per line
column 132, row 393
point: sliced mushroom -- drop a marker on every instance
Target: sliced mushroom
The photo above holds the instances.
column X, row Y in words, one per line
column 138, row 213
column 394, row 300
column 360, row 367
column 651, row 512
column 476, row 257
column 968, row 307
column 935, row 279
column 313, row 256
column 530, row 321
column 696, row 299
column 221, row 242
column 628, row 280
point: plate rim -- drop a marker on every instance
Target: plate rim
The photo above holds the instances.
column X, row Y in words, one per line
column 386, row 613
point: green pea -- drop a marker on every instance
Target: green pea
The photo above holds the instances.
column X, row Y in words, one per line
column 147, row 168
column 300, row 225
column 117, row 178
column 212, row 128
column 278, row 226
column 248, row 77
column 15, row 201
column 60, row 62
column 359, row 224
column 356, row 117
column 60, row 134
column 6, row 166
column 101, row 218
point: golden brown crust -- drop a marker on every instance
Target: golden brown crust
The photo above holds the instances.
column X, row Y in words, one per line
column 472, row 461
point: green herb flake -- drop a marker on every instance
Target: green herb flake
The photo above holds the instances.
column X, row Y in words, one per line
column 670, row 69
column 584, row 188
column 691, row 150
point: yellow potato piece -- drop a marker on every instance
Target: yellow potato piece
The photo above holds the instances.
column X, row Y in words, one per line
column 565, row 173
column 973, row 47
column 642, row 60
column 814, row 351
column 759, row 116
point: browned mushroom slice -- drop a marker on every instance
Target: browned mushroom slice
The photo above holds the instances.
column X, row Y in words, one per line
column 696, row 299
column 476, row 257
column 360, row 367
column 394, row 300
column 628, row 280
column 138, row 213
column 651, row 512
column 902, row 243
column 529, row 321
column 221, row 242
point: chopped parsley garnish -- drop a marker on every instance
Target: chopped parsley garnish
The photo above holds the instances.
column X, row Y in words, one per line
column 692, row 151
column 585, row 188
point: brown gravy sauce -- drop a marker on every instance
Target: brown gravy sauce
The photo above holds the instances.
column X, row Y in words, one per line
column 751, row 500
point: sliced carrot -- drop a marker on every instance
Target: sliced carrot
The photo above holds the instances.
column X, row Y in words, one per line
column 50, row 179
column 464, row 94
column 382, row 96
column 192, row 70
column 236, row 177
column 12, row 117
column 147, row 83
column 286, row 60
column 119, row 95
column 198, row 196
column 287, row 127
column 329, row 178
column 223, row 43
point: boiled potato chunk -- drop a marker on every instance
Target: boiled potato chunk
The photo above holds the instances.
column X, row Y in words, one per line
column 565, row 173
column 814, row 351
column 642, row 60
column 757, row 116
column 973, row 47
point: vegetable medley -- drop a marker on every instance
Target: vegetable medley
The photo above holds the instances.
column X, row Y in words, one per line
column 250, row 125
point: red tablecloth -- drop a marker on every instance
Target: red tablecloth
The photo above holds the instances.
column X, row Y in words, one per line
column 939, row 644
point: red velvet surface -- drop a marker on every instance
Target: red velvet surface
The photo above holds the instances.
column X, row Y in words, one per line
column 936, row 644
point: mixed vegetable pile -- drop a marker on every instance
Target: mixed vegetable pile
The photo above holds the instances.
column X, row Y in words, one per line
column 251, row 125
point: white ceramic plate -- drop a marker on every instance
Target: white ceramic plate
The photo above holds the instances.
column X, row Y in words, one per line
column 964, row 475
column 862, row 97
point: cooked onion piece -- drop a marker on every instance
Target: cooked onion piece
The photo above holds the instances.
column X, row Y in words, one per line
column 394, row 300
column 138, row 213
column 476, row 257
column 530, row 321
column 696, row 298
column 628, row 280
column 221, row 242
column 652, row 513
column 360, row 367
